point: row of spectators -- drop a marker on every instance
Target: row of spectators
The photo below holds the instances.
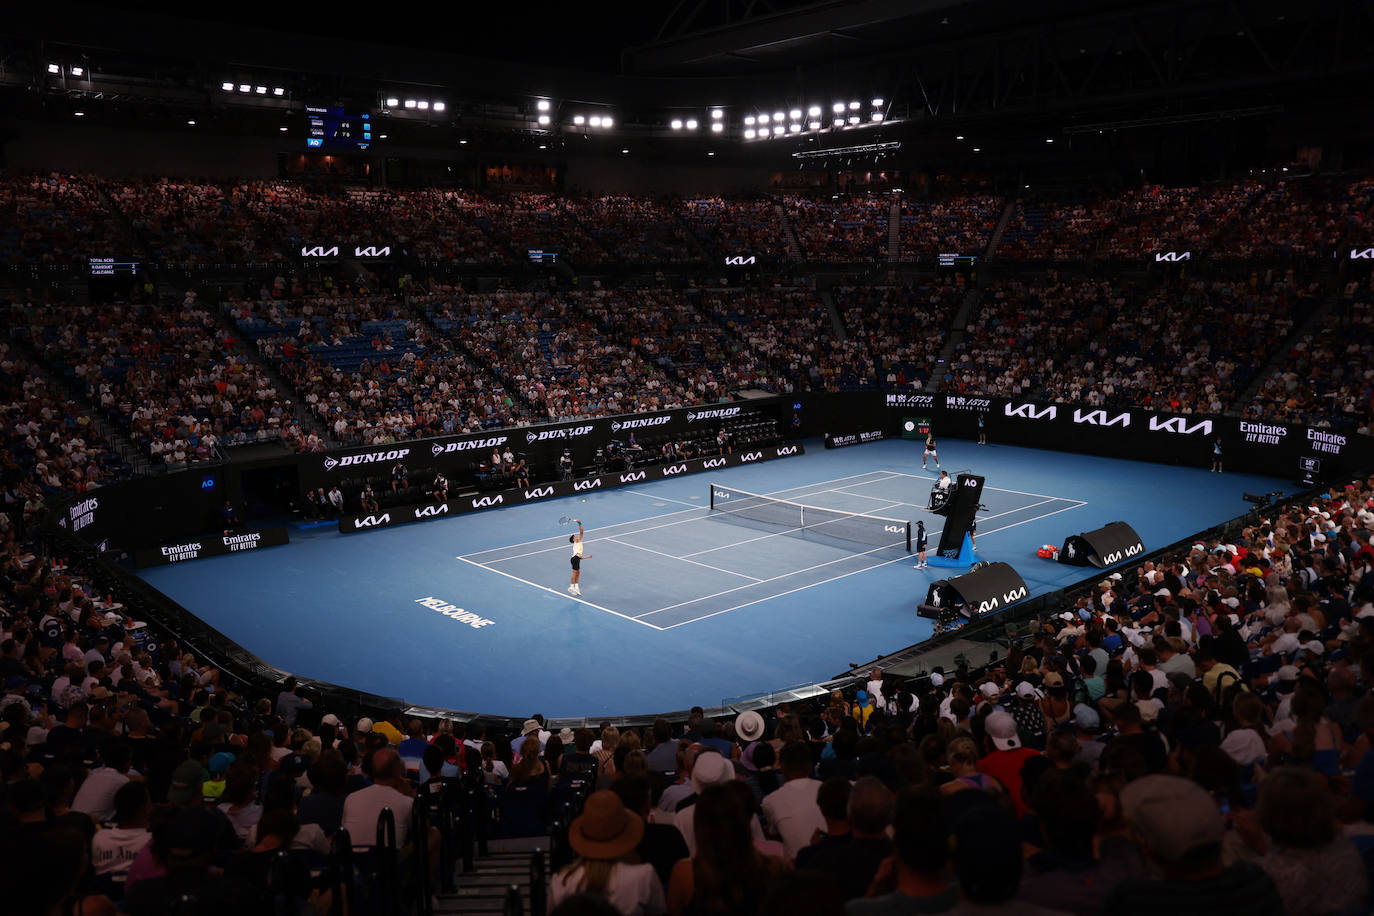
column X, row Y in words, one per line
column 1194, row 735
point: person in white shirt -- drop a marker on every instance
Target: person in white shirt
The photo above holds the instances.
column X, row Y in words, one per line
column 362, row 808
column 96, row 796
column 603, row 836
column 113, row 849
column 791, row 811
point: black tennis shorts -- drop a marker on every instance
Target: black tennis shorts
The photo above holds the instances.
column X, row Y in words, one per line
column 576, row 562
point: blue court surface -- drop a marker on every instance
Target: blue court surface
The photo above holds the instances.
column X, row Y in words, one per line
column 680, row 604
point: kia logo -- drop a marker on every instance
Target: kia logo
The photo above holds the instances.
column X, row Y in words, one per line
column 488, row 501
column 372, row 521
column 431, row 511
column 787, row 450
column 751, row 456
column 1180, row 426
column 712, row 463
column 587, row 484
column 894, row 529
column 675, row 469
column 631, row 478
column 539, row 492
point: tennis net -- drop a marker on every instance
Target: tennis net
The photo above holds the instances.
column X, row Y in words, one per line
column 846, row 526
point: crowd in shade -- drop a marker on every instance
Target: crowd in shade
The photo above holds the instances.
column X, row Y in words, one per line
column 1192, row 735
column 1183, row 345
column 169, row 376
column 853, row 227
column 1324, row 376
column 737, row 227
column 889, row 331
column 957, row 224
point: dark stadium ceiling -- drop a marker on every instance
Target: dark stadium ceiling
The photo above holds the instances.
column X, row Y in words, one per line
column 1031, row 68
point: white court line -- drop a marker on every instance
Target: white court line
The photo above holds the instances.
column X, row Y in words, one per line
column 821, row 483
column 728, row 572
column 554, row 591
column 848, row 556
column 865, row 553
column 780, row 594
column 648, row 518
column 633, row 492
column 998, row 489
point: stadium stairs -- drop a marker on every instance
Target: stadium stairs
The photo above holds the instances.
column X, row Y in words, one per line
column 698, row 245
column 954, row 336
column 133, row 456
column 836, row 322
column 894, row 230
column 487, row 889
column 514, row 390
column 789, row 234
column 1002, row 222
column 304, row 416
column 1315, row 319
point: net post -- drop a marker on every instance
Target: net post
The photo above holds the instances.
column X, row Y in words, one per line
column 712, row 488
column 908, row 537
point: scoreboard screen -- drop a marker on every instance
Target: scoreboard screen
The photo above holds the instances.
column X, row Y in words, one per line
column 542, row 256
column 915, row 427
column 945, row 259
column 109, row 267
column 333, row 128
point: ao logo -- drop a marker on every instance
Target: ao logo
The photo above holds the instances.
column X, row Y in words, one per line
column 587, row 484
column 712, row 463
column 432, row 511
column 372, row 521
column 539, row 492
column 970, row 482
column 751, row 456
column 631, row 478
column 488, row 501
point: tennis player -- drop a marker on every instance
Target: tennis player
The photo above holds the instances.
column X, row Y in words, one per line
column 577, row 557
column 930, row 451
column 921, row 545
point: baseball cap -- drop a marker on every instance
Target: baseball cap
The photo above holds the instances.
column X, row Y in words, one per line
column 221, row 762
column 937, row 680
column 187, row 779
column 1026, row 691
column 989, row 689
column 1001, row 728
column 1053, row 679
column 364, row 726
column 1086, row 718
column 1288, row 674
column 330, row 719
column 1172, row 815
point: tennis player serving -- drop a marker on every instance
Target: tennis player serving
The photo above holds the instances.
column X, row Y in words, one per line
column 930, row 451
column 577, row 557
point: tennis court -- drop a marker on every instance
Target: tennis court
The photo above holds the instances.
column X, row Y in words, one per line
column 744, row 548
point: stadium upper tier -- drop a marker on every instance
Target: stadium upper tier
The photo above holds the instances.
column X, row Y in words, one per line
column 64, row 219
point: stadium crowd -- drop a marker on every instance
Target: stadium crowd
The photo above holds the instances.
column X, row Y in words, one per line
column 1194, row 735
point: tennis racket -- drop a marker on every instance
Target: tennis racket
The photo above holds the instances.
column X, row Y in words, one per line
column 567, row 520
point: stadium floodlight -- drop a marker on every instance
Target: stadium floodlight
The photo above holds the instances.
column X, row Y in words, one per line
column 439, row 106
column 749, row 133
column 1049, row 139
column 717, row 114
column 749, row 120
column 853, row 119
column 244, row 87
column 854, row 106
column 959, row 136
column 814, row 111
column 383, row 136
column 227, row 87
column 838, row 122
column 977, row 149
column 626, row 151
column 877, row 103
column 191, row 122
column 676, row 124
column 717, row 127
column 261, row 90
column 463, row 142
column 777, row 116
column 542, row 105
column 579, row 120
column 764, row 119
column 283, row 129
column 711, row 152
column 410, row 103
column 814, row 125
column 778, row 131
column 795, row 114
column 795, row 128
column 54, row 68
column 278, row 91
column 392, row 101
column 876, row 116
column 837, row 107
column 79, row 114
column 594, row 120
column 544, row 120
column 77, row 71
column 423, row 104
column 692, row 124
column 606, row 121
